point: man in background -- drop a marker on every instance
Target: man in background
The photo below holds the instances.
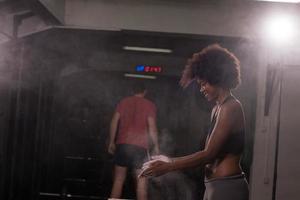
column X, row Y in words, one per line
column 132, row 124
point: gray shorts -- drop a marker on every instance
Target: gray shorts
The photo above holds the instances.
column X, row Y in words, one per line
column 227, row 188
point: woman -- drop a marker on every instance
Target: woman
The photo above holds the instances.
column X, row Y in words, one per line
column 217, row 71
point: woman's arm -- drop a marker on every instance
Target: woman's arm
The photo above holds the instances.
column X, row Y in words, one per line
column 229, row 115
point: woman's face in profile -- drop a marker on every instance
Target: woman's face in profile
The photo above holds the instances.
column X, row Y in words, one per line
column 209, row 91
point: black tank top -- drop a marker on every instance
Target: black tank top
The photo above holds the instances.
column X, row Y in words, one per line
column 235, row 143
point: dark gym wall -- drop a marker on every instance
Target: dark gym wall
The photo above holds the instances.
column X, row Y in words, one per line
column 61, row 91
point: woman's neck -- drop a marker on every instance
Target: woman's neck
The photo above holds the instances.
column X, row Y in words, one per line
column 223, row 95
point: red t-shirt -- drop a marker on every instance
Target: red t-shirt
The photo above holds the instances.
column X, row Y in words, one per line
column 133, row 127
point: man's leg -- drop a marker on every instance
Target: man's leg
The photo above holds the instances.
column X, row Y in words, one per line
column 141, row 186
column 205, row 196
column 119, row 179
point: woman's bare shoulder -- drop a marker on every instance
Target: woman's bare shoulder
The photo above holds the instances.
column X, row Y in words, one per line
column 233, row 106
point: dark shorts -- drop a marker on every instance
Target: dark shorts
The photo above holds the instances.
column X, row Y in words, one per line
column 227, row 188
column 130, row 156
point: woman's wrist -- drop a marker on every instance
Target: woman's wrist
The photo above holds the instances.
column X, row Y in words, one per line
column 171, row 164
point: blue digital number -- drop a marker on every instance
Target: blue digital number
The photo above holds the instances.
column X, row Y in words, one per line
column 140, row 68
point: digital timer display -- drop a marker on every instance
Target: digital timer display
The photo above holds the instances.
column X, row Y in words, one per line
column 148, row 69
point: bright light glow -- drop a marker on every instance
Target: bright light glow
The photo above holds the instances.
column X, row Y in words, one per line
column 283, row 1
column 280, row 29
column 156, row 50
column 140, row 76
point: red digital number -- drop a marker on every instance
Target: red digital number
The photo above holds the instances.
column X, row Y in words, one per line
column 147, row 69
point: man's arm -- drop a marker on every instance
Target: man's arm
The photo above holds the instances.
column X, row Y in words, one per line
column 153, row 133
column 113, row 131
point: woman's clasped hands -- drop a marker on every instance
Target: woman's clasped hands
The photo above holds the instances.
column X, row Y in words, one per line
column 157, row 166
